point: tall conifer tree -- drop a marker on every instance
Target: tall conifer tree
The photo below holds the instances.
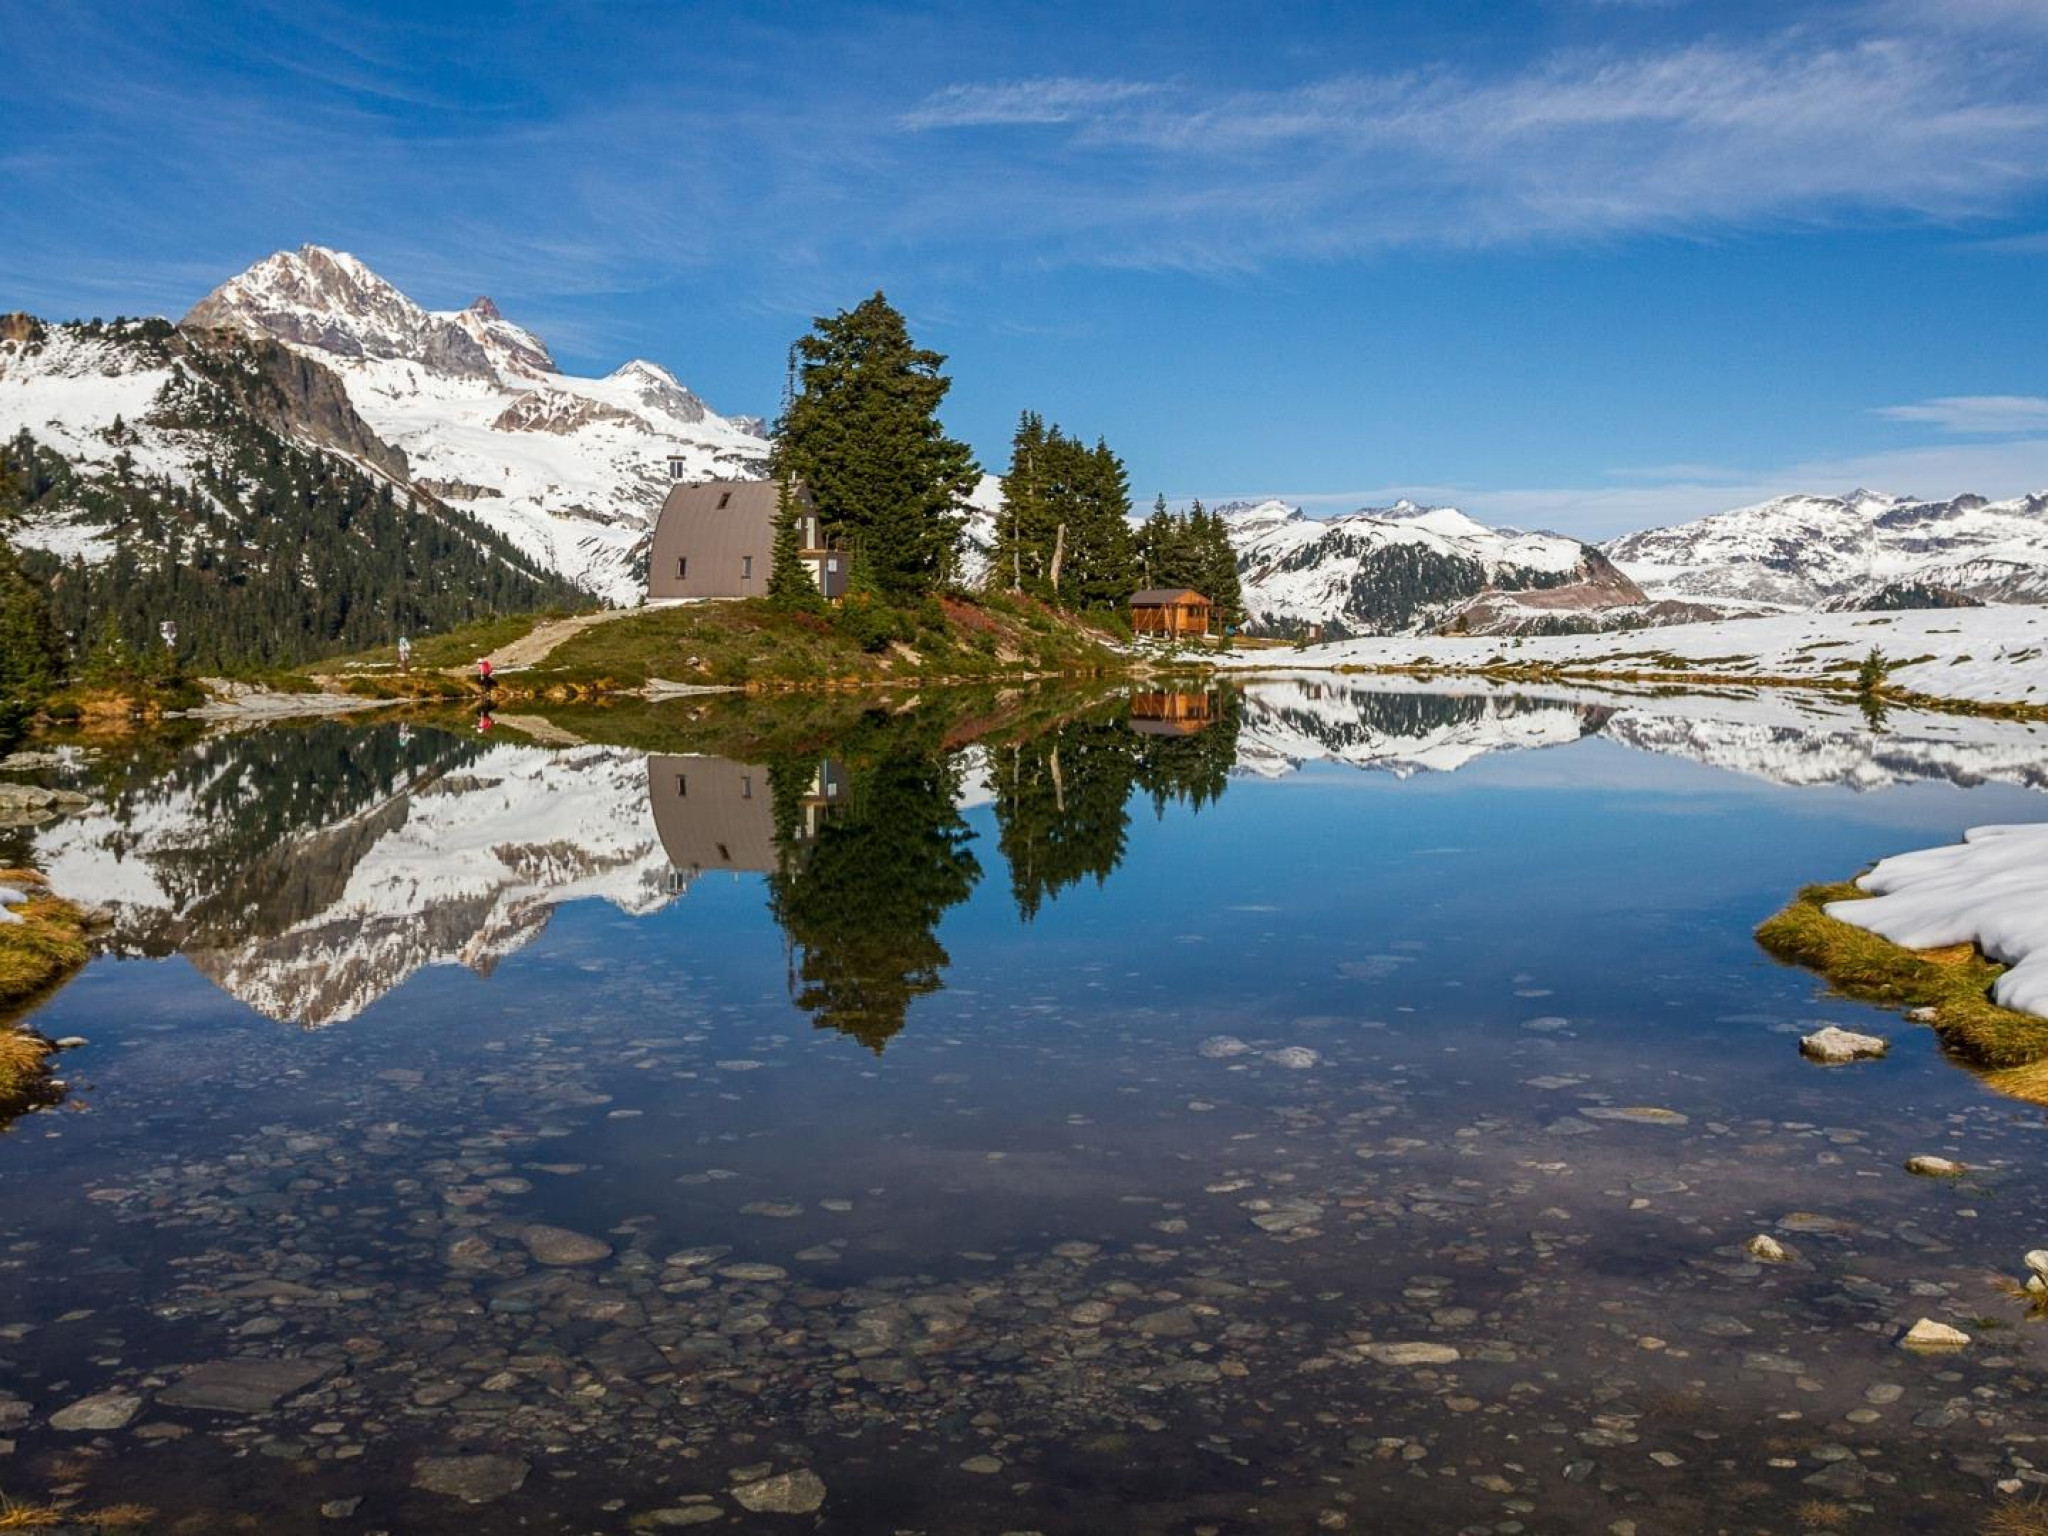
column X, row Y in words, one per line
column 861, row 431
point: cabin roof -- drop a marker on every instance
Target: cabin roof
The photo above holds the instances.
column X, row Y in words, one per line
column 1165, row 597
column 741, row 500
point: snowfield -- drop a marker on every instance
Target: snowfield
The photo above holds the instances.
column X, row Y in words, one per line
column 1990, row 890
column 1994, row 655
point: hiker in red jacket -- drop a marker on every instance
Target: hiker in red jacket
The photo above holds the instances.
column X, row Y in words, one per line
column 483, row 672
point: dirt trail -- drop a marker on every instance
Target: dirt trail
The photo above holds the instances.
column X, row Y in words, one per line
column 537, row 644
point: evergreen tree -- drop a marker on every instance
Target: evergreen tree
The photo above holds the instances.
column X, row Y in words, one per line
column 28, row 646
column 1021, row 526
column 1216, row 564
column 1153, row 539
column 1101, row 553
column 862, row 433
column 790, row 583
column 1063, row 535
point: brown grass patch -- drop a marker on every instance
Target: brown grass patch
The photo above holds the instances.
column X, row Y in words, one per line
column 44, row 947
column 2018, row 1517
column 37, row 955
column 18, row 1516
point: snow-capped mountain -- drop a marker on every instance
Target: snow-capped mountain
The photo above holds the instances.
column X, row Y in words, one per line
column 1811, row 551
column 569, row 469
column 1399, row 569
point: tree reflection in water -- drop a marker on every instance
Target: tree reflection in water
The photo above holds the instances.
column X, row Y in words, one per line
column 859, row 891
column 866, row 871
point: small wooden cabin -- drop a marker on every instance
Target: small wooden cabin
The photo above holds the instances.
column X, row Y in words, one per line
column 716, row 538
column 1169, row 611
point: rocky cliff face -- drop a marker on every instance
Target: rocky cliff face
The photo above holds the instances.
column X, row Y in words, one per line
column 296, row 395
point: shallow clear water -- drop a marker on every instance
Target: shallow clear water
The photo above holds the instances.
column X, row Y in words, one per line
column 872, row 1054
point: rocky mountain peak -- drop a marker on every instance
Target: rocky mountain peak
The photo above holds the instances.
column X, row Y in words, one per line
column 329, row 301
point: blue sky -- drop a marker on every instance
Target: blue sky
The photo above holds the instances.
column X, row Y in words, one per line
column 1584, row 264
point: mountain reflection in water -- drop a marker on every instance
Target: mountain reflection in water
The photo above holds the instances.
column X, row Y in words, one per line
column 310, row 870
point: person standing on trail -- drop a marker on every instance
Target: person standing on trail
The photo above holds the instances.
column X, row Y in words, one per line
column 483, row 672
column 404, row 654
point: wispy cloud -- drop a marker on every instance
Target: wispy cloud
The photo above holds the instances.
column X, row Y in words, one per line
column 450, row 166
column 1806, row 126
column 1057, row 100
column 1976, row 413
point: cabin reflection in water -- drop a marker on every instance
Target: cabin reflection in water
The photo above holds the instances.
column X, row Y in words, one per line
column 1166, row 713
column 712, row 813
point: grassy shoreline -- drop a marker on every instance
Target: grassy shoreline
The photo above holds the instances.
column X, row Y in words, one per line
column 1949, row 989
column 37, row 956
column 746, row 645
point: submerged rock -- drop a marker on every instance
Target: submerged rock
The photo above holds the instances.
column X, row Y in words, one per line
column 1767, row 1249
column 786, row 1493
column 1296, row 1058
column 243, row 1386
column 1416, row 1353
column 1936, row 1167
column 1217, row 1047
column 560, row 1246
column 473, row 1479
column 103, row 1410
column 1834, row 1045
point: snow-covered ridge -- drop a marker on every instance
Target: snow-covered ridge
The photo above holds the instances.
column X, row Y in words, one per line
column 570, row 469
column 1400, row 568
column 1802, row 551
column 1990, row 890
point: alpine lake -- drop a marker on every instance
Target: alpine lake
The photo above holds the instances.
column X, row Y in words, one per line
column 1321, row 1104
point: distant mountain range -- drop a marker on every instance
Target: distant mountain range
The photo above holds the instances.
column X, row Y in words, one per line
column 536, row 483
column 1407, row 568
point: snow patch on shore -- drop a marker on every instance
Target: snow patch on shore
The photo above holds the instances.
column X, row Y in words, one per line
column 1991, row 890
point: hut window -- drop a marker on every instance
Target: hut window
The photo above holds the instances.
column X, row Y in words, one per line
column 724, row 500
column 746, row 786
column 682, row 786
column 832, row 566
column 746, row 567
column 682, row 567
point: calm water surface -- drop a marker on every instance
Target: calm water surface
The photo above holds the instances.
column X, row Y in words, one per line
column 1318, row 1108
